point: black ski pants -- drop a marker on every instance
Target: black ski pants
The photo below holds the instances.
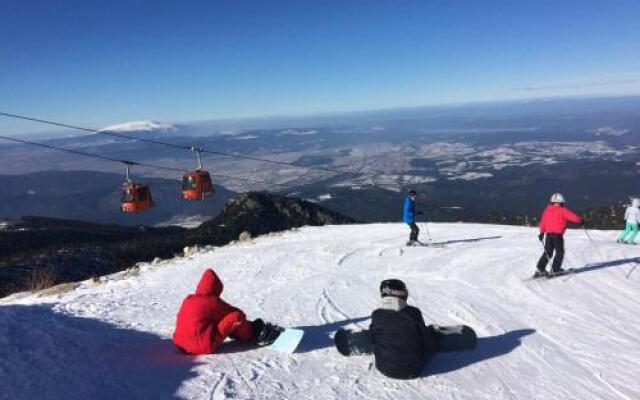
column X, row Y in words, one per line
column 553, row 242
column 414, row 231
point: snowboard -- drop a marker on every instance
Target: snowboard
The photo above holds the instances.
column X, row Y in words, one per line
column 352, row 343
column 449, row 338
column 288, row 341
column 455, row 337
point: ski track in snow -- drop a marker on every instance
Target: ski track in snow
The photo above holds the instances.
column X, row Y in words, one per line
column 573, row 337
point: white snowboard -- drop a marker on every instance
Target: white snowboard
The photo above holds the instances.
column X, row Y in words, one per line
column 288, row 340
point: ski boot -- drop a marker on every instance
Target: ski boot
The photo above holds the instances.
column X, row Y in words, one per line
column 412, row 243
column 265, row 333
column 258, row 326
column 540, row 274
column 557, row 272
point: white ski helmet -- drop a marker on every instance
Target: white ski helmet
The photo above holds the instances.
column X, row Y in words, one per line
column 557, row 198
column 635, row 202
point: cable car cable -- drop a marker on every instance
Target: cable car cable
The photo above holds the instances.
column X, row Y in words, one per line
column 158, row 142
column 128, row 162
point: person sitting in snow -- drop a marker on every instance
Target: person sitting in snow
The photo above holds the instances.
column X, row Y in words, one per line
column 401, row 341
column 205, row 320
column 553, row 224
column 409, row 216
column 632, row 218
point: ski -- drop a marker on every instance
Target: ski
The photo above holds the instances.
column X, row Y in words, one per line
column 563, row 273
column 421, row 244
column 435, row 245
column 551, row 276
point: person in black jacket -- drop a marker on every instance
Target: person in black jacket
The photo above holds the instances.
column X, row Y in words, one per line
column 401, row 340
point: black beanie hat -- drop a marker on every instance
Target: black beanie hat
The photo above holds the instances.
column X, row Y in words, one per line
column 394, row 287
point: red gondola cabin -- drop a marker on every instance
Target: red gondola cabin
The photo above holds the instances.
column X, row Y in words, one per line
column 196, row 185
column 136, row 197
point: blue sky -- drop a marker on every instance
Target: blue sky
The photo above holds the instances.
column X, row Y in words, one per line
column 97, row 63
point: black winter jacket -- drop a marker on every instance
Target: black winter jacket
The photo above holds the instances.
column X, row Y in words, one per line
column 401, row 342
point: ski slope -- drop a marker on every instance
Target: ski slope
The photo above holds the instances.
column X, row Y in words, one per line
column 573, row 337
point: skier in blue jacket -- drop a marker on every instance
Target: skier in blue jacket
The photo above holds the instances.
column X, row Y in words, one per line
column 409, row 216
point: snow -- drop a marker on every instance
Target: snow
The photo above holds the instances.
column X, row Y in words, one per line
column 469, row 176
column 467, row 161
column 293, row 132
column 137, row 126
column 574, row 337
column 246, row 137
column 185, row 221
column 392, row 182
column 609, row 131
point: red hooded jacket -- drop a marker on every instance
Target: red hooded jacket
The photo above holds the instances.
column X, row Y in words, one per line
column 197, row 322
column 555, row 218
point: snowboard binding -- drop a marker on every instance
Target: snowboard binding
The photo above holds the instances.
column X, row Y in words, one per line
column 265, row 333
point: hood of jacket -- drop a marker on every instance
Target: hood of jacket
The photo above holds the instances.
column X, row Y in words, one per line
column 210, row 284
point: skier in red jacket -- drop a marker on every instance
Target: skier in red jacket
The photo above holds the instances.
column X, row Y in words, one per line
column 554, row 224
column 205, row 320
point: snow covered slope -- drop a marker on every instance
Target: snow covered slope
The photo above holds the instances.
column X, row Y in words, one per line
column 574, row 337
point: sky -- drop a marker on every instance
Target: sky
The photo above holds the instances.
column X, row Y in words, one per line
column 98, row 63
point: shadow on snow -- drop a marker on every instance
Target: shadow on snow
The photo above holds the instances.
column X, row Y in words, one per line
column 51, row 355
column 487, row 348
column 466, row 240
column 607, row 264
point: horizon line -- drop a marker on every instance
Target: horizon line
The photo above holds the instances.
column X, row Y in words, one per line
column 320, row 114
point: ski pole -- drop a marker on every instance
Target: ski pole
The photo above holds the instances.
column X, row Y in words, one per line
column 631, row 271
column 544, row 249
column 426, row 226
column 593, row 243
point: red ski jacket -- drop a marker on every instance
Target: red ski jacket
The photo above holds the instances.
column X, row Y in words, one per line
column 199, row 315
column 555, row 218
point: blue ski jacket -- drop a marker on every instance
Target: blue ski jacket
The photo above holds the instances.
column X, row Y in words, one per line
column 409, row 211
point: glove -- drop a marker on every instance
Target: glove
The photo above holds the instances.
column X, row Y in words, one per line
column 419, row 213
column 541, row 237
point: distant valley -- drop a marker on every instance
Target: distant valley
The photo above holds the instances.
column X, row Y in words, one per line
column 463, row 160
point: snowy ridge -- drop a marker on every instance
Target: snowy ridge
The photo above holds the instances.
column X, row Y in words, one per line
column 574, row 337
column 139, row 126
